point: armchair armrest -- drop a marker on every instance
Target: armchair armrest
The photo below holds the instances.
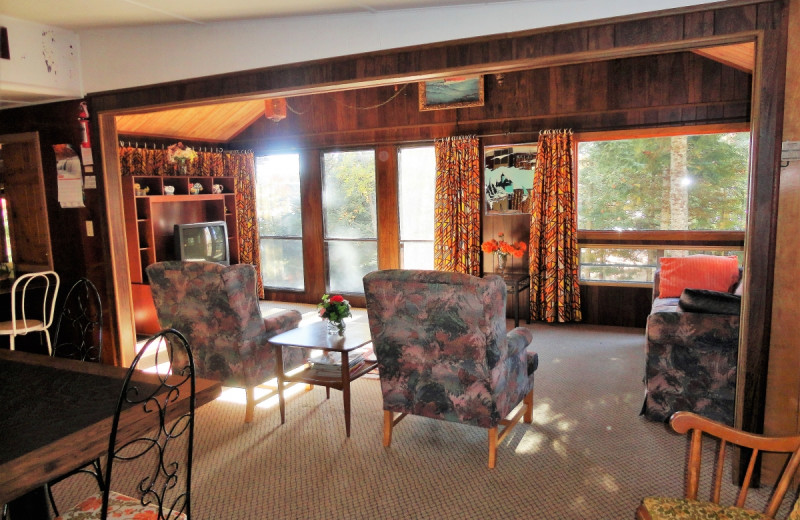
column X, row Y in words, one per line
column 518, row 340
column 281, row 322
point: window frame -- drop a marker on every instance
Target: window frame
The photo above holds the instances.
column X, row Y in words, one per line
column 284, row 237
column 326, row 274
column 656, row 239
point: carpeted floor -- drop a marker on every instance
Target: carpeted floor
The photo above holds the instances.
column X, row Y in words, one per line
column 588, row 455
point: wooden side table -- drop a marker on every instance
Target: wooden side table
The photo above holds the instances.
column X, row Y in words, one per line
column 316, row 336
column 516, row 282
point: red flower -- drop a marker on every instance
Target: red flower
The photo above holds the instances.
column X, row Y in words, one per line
column 337, row 298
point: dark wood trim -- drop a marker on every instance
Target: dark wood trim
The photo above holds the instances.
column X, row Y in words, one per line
column 727, row 239
column 769, row 81
column 642, row 133
column 123, row 317
column 387, row 195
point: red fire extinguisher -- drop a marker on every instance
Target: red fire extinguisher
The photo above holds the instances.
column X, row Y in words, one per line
column 83, row 119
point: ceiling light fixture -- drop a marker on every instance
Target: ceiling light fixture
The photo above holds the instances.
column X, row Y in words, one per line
column 275, row 109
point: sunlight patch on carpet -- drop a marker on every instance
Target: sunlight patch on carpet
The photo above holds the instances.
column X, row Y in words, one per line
column 531, row 442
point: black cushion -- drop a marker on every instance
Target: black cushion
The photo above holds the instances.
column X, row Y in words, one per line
column 712, row 302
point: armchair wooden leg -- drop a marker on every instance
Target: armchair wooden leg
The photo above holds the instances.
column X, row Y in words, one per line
column 388, row 422
column 250, row 406
column 492, row 447
column 528, row 400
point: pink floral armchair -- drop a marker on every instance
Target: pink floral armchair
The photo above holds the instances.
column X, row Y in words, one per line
column 216, row 308
column 443, row 350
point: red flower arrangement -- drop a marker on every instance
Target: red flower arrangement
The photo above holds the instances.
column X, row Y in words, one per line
column 503, row 248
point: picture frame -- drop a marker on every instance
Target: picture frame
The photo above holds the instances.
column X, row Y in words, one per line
column 455, row 92
column 508, row 178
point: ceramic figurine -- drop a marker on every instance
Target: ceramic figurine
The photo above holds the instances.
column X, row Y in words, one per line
column 196, row 188
column 169, row 190
column 216, row 188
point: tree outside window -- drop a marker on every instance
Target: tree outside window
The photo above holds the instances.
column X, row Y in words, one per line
column 280, row 223
column 684, row 182
column 350, row 218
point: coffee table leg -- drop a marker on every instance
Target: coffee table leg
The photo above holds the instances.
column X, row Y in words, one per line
column 279, row 373
column 346, row 391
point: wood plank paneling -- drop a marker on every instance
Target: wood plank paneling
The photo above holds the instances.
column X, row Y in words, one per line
column 733, row 22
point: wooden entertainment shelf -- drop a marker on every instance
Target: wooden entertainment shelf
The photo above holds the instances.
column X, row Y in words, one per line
column 149, row 226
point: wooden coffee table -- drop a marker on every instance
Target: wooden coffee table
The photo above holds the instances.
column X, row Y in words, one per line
column 316, row 336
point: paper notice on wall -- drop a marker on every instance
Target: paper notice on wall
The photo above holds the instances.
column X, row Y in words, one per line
column 70, row 177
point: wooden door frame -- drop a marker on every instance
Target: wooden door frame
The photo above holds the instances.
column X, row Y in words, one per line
column 32, row 139
column 385, row 68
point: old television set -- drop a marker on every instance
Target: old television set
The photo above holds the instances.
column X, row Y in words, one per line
column 202, row 241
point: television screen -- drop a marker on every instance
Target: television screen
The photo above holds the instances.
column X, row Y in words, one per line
column 202, row 241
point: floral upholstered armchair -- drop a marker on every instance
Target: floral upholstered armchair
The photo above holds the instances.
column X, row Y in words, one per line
column 443, row 350
column 216, row 308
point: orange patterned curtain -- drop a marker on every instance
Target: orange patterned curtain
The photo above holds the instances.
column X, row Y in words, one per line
column 241, row 165
column 457, row 210
column 555, row 293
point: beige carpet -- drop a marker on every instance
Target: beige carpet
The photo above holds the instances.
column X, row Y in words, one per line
column 588, row 455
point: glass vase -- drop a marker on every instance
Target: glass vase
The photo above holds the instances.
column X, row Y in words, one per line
column 335, row 327
column 502, row 261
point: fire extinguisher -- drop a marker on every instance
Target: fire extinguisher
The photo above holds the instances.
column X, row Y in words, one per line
column 83, row 119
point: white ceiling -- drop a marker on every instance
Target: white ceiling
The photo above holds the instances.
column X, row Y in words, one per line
column 86, row 14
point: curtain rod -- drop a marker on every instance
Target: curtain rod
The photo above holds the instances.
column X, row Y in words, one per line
column 144, row 145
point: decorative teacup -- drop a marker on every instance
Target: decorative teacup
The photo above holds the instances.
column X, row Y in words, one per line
column 196, row 188
column 216, row 188
column 169, row 190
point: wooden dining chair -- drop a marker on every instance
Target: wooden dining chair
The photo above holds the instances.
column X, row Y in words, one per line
column 162, row 482
column 661, row 508
column 36, row 316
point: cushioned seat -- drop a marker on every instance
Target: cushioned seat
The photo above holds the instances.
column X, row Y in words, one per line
column 216, row 308
column 120, row 507
column 726, row 439
column 444, row 352
column 661, row 508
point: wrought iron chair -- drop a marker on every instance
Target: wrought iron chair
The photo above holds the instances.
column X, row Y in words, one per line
column 163, row 481
column 443, row 351
column 662, row 508
column 79, row 328
column 79, row 335
column 25, row 317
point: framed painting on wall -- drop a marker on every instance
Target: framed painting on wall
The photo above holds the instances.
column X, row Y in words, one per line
column 508, row 178
column 456, row 92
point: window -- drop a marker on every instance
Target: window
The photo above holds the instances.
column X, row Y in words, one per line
column 280, row 224
column 417, row 179
column 695, row 183
column 350, row 218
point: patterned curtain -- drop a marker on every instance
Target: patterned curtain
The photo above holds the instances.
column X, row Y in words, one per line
column 555, row 293
column 241, row 165
column 457, row 210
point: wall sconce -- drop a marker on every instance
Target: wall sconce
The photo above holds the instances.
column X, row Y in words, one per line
column 275, row 109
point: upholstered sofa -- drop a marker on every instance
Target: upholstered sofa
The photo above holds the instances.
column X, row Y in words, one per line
column 691, row 348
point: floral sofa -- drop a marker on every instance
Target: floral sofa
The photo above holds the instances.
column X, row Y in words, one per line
column 691, row 348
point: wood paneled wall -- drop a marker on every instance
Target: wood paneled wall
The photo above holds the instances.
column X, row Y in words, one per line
column 674, row 89
column 679, row 88
column 74, row 253
column 763, row 21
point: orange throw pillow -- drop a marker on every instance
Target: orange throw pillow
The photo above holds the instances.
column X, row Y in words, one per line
column 714, row 273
